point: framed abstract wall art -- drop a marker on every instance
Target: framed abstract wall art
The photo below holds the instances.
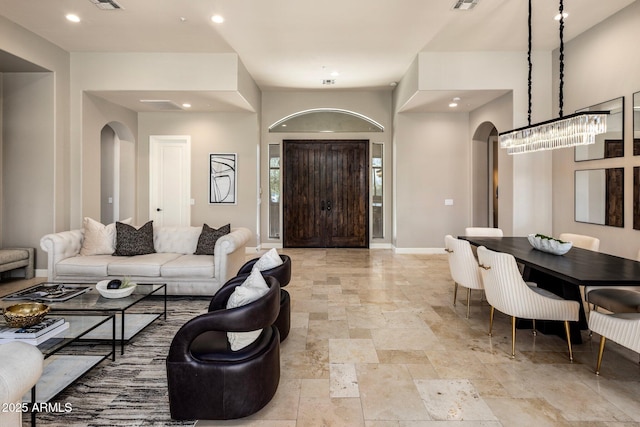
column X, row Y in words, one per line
column 222, row 178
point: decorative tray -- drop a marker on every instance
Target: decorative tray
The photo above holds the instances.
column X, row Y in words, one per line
column 549, row 244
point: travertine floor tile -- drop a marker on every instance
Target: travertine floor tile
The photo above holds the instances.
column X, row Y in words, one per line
column 375, row 341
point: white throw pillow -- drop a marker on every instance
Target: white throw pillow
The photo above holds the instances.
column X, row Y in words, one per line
column 268, row 261
column 99, row 239
column 250, row 290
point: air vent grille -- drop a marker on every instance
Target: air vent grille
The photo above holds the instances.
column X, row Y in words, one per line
column 106, row 4
column 328, row 82
column 161, row 104
column 465, row 4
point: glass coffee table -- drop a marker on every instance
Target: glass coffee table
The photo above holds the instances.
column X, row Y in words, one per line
column 128, row 324
column 62, row 369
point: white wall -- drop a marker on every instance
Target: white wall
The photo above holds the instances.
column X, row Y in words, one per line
column 28, row 146
column 138, row 71
column 96, row 114
column 601, row 64
column 47, row 183
column 210, row 133
column 432, row 163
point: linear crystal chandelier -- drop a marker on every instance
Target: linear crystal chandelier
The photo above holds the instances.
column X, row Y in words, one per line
column 565, row 131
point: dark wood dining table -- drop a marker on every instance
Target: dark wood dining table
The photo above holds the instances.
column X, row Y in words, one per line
column 564, row 274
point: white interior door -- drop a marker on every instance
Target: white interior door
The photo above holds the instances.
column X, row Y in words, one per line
column 170, row 180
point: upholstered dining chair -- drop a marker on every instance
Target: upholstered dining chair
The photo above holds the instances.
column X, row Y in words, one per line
column 616, row 299
column 508, row 293
column 622, row 328
column 581, row 241
column 282, row 273
column 463, row 267
column 209, row 380
column 483, row 232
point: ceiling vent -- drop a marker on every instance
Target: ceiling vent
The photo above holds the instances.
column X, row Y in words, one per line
column 161, row 104
column 465, row 4
column 106, row 4
column 328, row 82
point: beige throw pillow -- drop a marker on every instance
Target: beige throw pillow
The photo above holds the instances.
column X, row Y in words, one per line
column 99, row 239
column 251, row 289
column 269, row 260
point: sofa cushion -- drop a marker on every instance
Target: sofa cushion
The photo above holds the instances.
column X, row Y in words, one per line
column 98, row 239
column 95, row 265
column 179, row 240
column 141, row 265
column 131, row 241
column 200, row 266
column 208, row 238
column 13, row 255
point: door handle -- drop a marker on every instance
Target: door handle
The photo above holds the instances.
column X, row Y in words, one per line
column 328, row 206
column 322, row 205
column 158, row 209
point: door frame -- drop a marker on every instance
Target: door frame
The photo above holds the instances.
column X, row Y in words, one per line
column 155, row 173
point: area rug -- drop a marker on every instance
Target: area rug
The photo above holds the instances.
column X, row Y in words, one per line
column 132, row 390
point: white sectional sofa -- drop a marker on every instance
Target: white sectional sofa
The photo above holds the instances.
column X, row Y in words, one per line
column 174, row 262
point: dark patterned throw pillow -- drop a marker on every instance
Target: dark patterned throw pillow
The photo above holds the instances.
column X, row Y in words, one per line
column 131, row 241
column 208, row 238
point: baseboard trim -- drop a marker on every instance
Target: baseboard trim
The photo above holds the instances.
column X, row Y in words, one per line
column 422, row 251
column 380, row 246
column 40, row 272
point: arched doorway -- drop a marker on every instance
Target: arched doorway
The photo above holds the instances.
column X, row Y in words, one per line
column 485, row 190
column 117, row 173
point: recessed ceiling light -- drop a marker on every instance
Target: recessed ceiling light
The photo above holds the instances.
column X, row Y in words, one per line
column 335, row 74
column 453, row 104
column 73, row 18
column 565, row 15
column 186, row 105
column 218, row 19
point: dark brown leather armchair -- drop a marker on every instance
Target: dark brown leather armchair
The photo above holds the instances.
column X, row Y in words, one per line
column 206, row 379
column 283, row 274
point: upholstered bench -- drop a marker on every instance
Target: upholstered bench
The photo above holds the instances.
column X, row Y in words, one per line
column 13, row 258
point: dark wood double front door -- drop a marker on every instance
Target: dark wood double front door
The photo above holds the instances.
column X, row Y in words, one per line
column 326, row 193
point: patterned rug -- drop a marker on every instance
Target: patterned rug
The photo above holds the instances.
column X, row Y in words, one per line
column 132, row 391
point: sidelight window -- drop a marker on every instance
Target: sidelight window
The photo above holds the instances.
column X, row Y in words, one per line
column 377, row 200
column 274, row 191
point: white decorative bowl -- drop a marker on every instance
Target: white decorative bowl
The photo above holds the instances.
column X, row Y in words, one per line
column 552, row 246
column 101, row 286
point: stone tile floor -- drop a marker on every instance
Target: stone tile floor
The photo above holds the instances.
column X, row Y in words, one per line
column 376, row 342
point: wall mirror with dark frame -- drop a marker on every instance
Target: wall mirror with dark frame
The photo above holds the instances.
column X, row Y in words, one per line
column 599, row 196
column 636, row 124
column 636, row 197
column 611, row 143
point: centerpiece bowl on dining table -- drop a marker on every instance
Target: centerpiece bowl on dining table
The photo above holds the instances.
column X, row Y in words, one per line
column 121, row 292
column 549, row 244
column 25, row 314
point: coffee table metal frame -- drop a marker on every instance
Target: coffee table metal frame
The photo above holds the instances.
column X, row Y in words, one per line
column 79, row 325
column 93, row 302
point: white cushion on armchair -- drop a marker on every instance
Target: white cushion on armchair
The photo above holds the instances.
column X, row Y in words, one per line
column 20, row 368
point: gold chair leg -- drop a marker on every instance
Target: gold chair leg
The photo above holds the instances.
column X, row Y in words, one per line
column 468, row 301
column 568, row 331
column 455, row 292
column 513, row 337
column 491, row 320
column 600, row 352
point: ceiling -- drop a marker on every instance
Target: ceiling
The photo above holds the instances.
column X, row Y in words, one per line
column 296, row 44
